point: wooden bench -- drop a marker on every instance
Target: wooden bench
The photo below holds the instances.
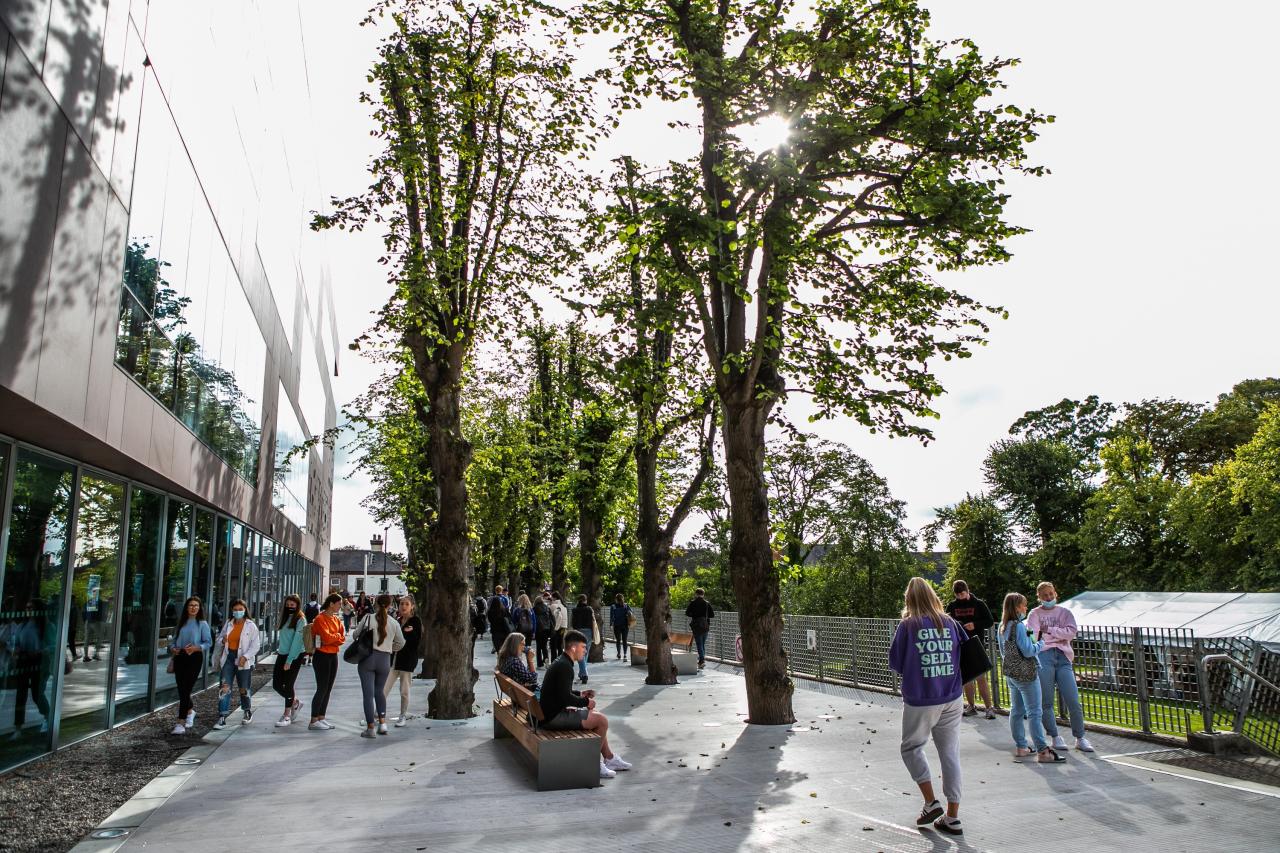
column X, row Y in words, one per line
column 561, row 759
column 684, row 660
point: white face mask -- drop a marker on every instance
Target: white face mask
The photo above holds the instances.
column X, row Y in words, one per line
column 237, row 614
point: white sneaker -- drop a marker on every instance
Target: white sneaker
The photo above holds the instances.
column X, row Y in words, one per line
column 191, row 719
column 283, row 721
column 616, row 763
column 221, row 724
column 1082, row 744
column 179, row 729
column 382, row 728
column 401, row 722
column 318, row 726
column 1059, row 743
column 605, row 772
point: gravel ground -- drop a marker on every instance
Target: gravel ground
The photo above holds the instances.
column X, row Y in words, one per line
column 53, row 802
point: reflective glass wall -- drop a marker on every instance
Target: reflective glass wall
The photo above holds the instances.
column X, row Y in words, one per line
column 93, row 574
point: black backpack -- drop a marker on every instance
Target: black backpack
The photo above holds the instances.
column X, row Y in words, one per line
column 524, row 621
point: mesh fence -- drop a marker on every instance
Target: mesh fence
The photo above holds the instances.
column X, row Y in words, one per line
column 1143, row 679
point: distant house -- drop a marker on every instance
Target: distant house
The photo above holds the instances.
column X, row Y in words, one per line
column 373, row 571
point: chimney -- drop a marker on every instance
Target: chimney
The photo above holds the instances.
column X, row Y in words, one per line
column 375, row 544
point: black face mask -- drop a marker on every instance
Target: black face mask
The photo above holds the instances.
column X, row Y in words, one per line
column 292, row 609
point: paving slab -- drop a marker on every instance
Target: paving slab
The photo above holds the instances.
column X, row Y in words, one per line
column 703, row 780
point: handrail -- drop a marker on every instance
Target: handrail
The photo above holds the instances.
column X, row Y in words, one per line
column 1202, row 667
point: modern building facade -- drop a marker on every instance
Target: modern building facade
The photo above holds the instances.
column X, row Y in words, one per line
column 166, row 340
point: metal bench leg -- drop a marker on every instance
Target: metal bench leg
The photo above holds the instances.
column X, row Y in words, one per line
column 566, row 764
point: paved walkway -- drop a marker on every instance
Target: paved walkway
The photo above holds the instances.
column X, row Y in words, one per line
column 703, row 781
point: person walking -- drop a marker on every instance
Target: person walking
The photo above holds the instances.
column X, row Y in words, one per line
column 700, row 615
column 328, row 633
column 313, row 608
column 374, row 670
column 583, row 620
column 511, row 660
column 559, row 625
column 289, row 656
column 926, row 652
column 620, row 618
column 499, row 613
column 526, row 624
column 566, row 709
column 348, row 613
column 1020, row 664
column 545, row 622
column 1056, row 627
column 406, row 660
column 190, row 645
column 238, row 644
column 975, row 617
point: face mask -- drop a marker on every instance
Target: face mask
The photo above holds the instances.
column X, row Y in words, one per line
column 237, row 614
column 1048, row 605
column 292, row 609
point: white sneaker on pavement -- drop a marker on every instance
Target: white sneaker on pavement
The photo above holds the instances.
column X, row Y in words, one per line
column 221, row 723
column 1082, row 744
column 1059, row 742
column 616, row 763
column 401, row 722
column 179, row 729
column 283, row 721
column 605, row 772
column 382, row 728
column 191, row 719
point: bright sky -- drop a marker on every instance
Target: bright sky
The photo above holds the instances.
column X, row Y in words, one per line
column 1148, row 272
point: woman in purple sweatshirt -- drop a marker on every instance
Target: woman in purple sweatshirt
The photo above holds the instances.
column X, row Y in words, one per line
column 926, row 653
column 1055, row 627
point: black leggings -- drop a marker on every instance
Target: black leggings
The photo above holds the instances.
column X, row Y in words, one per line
column 282, row 680
column 326, row 666
column 186, row 671
column 620, row 633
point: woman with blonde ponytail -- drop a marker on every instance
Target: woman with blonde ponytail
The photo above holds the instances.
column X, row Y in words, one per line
column 374, row 670
column 926, row 653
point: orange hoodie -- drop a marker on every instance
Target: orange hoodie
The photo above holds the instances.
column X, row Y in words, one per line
column 328, row 633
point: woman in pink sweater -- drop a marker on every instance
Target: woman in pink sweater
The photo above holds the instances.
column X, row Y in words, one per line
column 1055, row 627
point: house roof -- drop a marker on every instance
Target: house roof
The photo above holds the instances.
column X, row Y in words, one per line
column 352, row 561
column 1255, row 615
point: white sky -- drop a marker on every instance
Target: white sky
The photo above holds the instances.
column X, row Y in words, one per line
column 1148, row 272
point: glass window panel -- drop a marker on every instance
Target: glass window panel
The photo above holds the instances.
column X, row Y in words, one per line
column 235, row 570
column 147, row 210
column 202, row 557
column 173, row 592
column 265, row 597
column 289, row 479
column 91, row 628
column 221, row 559
column 35, row 567
column 133, row 336
column 138, row 602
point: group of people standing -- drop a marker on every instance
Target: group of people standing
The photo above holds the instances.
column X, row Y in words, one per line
column 543, row 623
column 312, row 634
column 1036, row 660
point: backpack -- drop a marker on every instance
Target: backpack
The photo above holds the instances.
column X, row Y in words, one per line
column 524, row 621
column 1013, row 662
column 497, row 609
column 543, row 614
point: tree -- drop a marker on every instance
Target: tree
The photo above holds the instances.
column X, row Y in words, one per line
column 477, row 114
column 981, row 545
column 1123, row 539
column 1255, row 493
column 812, row 261
column 1084, row 426
column 656, row 368
column 808, row 479
column 1042, row 483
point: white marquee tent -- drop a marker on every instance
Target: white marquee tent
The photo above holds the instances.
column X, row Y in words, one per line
column 1249, row 615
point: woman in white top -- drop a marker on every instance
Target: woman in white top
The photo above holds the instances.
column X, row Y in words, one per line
column 387, row 639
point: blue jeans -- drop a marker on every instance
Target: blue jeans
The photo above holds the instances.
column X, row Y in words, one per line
column 1056, row 670
column 233, row 678
column 582, row 664
column 1024, row 702
column 700, row 640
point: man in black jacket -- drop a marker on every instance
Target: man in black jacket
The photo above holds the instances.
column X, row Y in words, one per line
column 700, row 615
column 975, row 617
column 566, row 709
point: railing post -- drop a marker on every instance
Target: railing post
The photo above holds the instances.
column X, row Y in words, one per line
column 853, row 650
column 1202, row 687
column 1140, row 676
column 820, row 620
column 993, row 651
column 1246, row 691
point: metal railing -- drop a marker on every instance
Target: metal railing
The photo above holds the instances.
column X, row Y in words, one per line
column 1144, row 679
column 1255, row 711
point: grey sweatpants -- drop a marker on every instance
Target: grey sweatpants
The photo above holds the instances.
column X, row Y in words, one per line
column 373, row 675
column 943, row 723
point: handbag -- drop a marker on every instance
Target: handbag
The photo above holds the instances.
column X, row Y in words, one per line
column 973, row 659
column 1015, row 664
column 361, row 648
column 169, row 668
column 597, row 639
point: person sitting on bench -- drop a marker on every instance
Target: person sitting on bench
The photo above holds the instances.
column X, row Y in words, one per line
column 511, row 662
column 566, row 709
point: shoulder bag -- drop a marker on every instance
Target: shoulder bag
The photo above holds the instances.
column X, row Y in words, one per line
column 973, row 658
column 1015, row 664
column 362, row 646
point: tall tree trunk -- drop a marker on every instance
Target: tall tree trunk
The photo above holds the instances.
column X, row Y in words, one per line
column 531, row 574
column 655, row 555
column 755, row 583
column 559, row 550
column 454, row 694
column 589, row 526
